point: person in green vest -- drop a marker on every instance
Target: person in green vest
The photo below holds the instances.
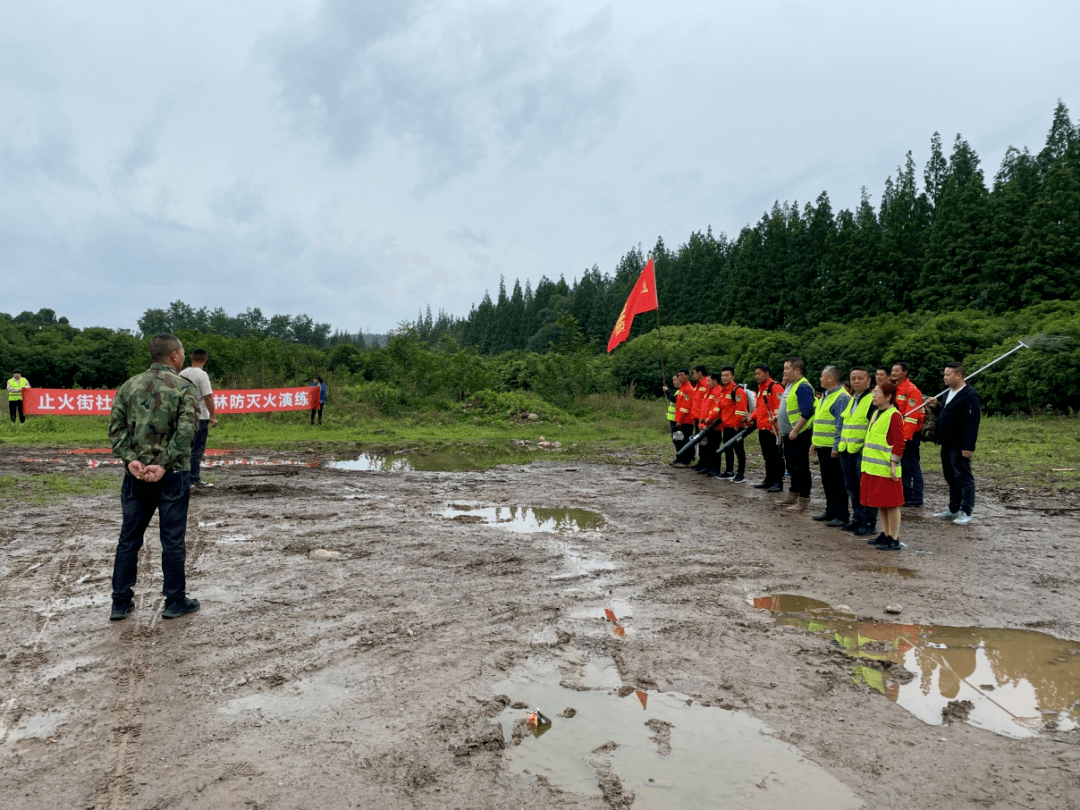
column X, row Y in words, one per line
column 852, row 437
column 828, row 416
column 794, row 419
column 883, row 450
column 15, row 388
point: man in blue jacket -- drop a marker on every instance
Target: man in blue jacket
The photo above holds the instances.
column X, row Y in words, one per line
column 956, row 431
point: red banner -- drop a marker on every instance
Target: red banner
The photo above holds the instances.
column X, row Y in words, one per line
column 65, row 402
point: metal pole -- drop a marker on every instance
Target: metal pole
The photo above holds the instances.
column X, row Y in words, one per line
column 972, row 374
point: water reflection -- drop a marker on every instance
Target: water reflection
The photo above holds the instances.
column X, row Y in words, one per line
column 527, row 519
column 370, row 462
column 1018, row 681
column 665, row 749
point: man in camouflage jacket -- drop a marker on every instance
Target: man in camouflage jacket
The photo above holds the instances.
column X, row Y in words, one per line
column 151, row 428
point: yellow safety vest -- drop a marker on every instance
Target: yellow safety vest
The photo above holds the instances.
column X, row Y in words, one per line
column 671, row 411
column 856, row 420
column 19, row 384
column 824, row 423
column 877, row 454
column 793, row 404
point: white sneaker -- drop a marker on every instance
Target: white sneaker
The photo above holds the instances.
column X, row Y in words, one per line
column 947, row 515
column 964, row 519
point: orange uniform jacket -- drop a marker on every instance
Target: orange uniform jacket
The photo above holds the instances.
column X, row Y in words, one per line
column 697, row 404
column 908, row 398
column 734, row 405
column 768, row 401
column 712, row 410
column 683, row 405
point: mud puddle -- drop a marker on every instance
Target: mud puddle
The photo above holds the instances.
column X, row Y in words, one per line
column 661, row 747
column 1012, row 682
column 306, row 699
column 527, row 519
column 370, row 462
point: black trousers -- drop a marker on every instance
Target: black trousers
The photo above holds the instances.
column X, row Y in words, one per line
column 679, row 437
column 797, row 457
column 957, row 470
column 832, row 482
column 15, row 406
column 773, row 457
column 737, row 450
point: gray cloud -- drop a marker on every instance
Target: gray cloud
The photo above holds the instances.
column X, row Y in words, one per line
column 142, row 152
column 457, row 83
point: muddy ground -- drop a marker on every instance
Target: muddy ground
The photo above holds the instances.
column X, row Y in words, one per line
column 396, row 674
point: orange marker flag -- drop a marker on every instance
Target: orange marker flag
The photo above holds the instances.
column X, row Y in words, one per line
column 642, row 299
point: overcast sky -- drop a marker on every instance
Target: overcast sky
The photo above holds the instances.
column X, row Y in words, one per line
column 358, row 161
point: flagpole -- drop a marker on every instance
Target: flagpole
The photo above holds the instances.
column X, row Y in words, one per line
column 659, row 338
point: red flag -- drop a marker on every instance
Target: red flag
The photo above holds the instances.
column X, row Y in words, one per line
column 642, row 299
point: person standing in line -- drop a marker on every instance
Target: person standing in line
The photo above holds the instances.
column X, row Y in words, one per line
column 699, row 378
column 711, row 419
column 318, row 398
column 852, row 437
column 881, row 375
column 734, row 410
column 794, row 419
column 671, row 394
column 768, row 402
column 909, row 400
column 15, row 387
column 957, row 431
column 684, row 421
column 828, row 419
column 151, row 427
column 883, row 450
column 197, row 376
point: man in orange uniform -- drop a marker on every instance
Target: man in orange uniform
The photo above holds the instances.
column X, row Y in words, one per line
column 684, row 420
column 734, row 409
column 764, row 416
column 712, row 421
column 908, row 398
column 699, row 378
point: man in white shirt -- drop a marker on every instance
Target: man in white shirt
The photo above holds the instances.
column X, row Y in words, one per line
column 197, row 376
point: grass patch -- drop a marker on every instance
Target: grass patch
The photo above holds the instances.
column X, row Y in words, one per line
column 1044, row 450
column 55, row 487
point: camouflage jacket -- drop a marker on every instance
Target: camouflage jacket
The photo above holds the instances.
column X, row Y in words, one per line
column 153, row 419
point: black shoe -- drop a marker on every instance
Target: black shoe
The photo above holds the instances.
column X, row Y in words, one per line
column 738, row 479
column 879, row 539
column 890, row 544
column 823, row 516
column 120, row 610
column 837, row 523
column 726, row 475
column 776, row 488
column 178, row 609
column 864, row 530
column 850, row 526
column 762, row 485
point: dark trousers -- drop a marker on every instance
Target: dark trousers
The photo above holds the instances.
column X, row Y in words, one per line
column 958, row 476
column 316, row 411
column 15, row 406
column 706, row 449
column 911, row 472
column 851, row 464
column 797, row 458
column 832, row 483
column 774, row 459
column 679, row 438
column 198, row 447
column 737, row 450
column 140, row 499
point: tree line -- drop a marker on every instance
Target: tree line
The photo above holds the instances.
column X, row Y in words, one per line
column 410, row 375
column 949, row 242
